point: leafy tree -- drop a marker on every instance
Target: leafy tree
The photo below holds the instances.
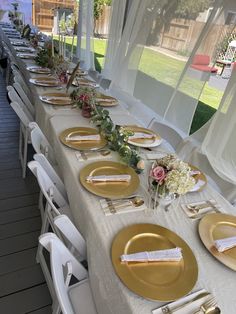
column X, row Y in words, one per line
column 98, row 4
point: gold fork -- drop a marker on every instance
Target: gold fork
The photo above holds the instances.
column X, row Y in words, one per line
column 207, row 307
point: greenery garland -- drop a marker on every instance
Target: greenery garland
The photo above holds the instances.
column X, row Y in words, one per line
column 116, row 136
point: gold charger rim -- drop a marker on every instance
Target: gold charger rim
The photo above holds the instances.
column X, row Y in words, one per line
column 155, row 293
column 205, row 233
column 91, row 187
column 134, row 128
column 201, row 176
column 39, row 70
column 94, row 145
column 56, row 94
column 44, row 82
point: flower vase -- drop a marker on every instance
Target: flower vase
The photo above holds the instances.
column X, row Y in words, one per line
column 160, row 198
column 86, row 110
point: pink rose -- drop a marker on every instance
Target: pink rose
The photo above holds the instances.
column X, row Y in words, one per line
column 158, row 173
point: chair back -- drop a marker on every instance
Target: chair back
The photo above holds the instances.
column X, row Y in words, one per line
column 167, row 132
column 63, row 266
column 40, row 143
column 14, row 97
column 24, row 98
column 19, row 79
column 201, row 59
column 48, row 187
column 74, row 239
column 43, row 161
column 23, row 116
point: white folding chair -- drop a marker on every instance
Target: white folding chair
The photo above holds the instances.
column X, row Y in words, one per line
column 24, row 98
column 41, row 144
column 24, row 139
column 72, row 237
column 56, row 203
column 43, row 161
column 19, row 79
column 73, row 298
column 168, row 133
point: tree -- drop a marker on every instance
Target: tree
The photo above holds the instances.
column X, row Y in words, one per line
column 98, row 6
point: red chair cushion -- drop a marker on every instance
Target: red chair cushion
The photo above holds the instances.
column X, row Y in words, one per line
column 201, row 59
column 204, row 68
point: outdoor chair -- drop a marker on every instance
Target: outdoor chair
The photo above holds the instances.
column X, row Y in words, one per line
column 24, row 98
column 73, row 298
column 201, row 63
column 167, row 132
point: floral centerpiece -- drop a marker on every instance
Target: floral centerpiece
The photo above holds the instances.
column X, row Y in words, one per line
column 170, row 177
column 116, row 136
column 46, row 58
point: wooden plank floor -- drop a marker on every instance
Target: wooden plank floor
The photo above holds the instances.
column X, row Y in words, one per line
column 22, row 284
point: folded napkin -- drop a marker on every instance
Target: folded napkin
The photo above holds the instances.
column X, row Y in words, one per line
column 205, row 207
column 189, row 304
column 56, row 98
column 140, row 135
column 225, row 244
column 195, row 172
column 113, row 207
column 93, row 137
column 170, row 255
column 153, row 155
column 108, row 100
column 200, row 183
column 109, row 178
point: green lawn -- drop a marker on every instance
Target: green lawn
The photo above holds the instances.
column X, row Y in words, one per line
column 167, row 70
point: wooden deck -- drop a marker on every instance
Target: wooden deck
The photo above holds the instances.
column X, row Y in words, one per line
column 22, row 284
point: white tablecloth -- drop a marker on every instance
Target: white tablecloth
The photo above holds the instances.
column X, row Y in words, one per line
column 110, row 295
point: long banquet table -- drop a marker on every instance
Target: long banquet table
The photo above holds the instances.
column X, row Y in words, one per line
column 110, row 294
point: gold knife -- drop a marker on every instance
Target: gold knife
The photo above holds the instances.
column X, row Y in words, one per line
column 167, row 310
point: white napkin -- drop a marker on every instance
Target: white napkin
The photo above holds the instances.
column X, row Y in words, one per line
column 170, row 255
column 207, row 208
column 225, row 244
column 115, row 208
column 109, row 178
column 195, row 172
column 198, row 185
column 93, row 137
column 190, row 308
column 154, row 155
column 67, row 99
column 108, row 100
column 140, row 135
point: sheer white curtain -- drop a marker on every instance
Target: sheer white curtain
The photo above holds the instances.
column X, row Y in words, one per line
column 115, row 32
column 85, row 44
column 219, row 143
column 147, row 66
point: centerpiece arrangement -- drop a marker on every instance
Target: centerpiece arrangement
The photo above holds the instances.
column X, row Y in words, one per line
column 169, row 178
column 116, row 136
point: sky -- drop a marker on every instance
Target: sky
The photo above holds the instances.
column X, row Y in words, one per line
column 25, row 6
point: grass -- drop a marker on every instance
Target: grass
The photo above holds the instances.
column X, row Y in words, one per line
column 167, row 70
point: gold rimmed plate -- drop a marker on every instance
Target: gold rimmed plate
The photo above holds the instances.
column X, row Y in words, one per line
column 26, row 55
column 58, row 99
column 106, row 101
column 44, row 81
column 109, row 189
column 161, row 281
column 25, row 49
column 84, row 83
column 82, row 145
column 201, row 180
column 154, row 141
column 38, row 69
column 217, row 226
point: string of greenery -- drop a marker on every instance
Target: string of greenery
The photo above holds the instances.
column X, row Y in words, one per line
column 116, row 135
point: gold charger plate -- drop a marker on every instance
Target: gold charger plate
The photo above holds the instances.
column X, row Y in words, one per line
column 109, row 100
column 82, row 145
column 26, row 55
column 153, row 142
column 84, row 82
column 38, row 70
column 58, row 99
column 109, row 189
column 218, row 226
column 44, row 81
column 198, row 177
column 162, row 281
